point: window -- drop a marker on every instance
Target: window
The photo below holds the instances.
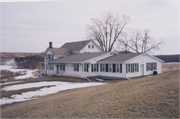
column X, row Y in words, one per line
column 154, row 66
column 151, row 66
column 102, row 66
column 131, row 68
column 110, row 67
column 62, row 67
column 49, row 66
column 92, row 46
column 49, row 56
column 135, row 68
column 117, row 67
column 95, row 67
column 86, row 67
column 76, row 67
column 46, row 66
column 89, row 46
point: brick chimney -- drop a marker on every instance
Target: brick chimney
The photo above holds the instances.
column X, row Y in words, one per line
column 50, row 45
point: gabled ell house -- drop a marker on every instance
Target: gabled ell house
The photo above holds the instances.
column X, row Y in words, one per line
column 85, row 59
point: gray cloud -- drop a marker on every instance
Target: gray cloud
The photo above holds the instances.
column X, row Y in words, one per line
column 29, row 26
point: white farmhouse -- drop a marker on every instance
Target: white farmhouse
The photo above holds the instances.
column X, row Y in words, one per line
column 86, row 60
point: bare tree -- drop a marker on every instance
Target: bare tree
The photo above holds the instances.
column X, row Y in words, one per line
column 106, row 31
column 139, row 42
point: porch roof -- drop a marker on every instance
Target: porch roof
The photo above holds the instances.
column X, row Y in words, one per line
column 120, row 57
column 77, row 58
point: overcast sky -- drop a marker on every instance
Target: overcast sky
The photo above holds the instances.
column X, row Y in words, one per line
column 30, row 26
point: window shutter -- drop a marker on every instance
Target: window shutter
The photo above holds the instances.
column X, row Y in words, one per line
column 120, row 68
column 101, row 67
column 137, row 67
column 146, row 66
column 132, row 67
column 114, row 67
column 74, row 67
column 106, row 67
column 91, row 67
column 52, row 57
column 156, row 66
column 126, row 68
column 87, row 67
column 77, row 67
column 97, row 67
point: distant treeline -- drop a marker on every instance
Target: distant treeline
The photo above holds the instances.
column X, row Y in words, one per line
column 168, row 58
column 28, row 62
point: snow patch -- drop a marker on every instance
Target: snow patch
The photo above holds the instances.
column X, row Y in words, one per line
column 32, row 85
column 60, row 86
column 29, row 72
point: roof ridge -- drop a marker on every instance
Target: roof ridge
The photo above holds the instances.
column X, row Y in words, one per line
column 78, row 41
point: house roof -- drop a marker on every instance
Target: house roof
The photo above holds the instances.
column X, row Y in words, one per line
column 120, row 57
column 77, row 58
column 75, row 45
column 59, row 51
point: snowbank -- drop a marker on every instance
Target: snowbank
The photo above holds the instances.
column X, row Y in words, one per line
column 60, row 86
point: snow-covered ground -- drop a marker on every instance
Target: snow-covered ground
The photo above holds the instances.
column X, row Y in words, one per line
column 29, row 72
column 10, row 62
column 60, row 86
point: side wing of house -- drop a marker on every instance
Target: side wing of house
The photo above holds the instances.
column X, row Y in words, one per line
column 142, row 65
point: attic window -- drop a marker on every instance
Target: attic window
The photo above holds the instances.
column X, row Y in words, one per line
column 89, row 46
column 92, row 46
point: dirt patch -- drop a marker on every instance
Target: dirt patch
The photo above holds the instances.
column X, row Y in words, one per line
column 146, row 97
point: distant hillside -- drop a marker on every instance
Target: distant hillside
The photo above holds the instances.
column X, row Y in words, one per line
column 9, row 56
column 5, row 55
column 168, row 58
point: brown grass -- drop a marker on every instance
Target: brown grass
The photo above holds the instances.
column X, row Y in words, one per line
column 170, row 66
column 8, row 94
column 147, row 97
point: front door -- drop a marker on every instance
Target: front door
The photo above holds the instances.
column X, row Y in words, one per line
column 57, row 69
column 142, row 69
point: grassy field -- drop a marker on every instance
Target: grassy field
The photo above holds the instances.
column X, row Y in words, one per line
column 170, row 66
column 146, row 97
